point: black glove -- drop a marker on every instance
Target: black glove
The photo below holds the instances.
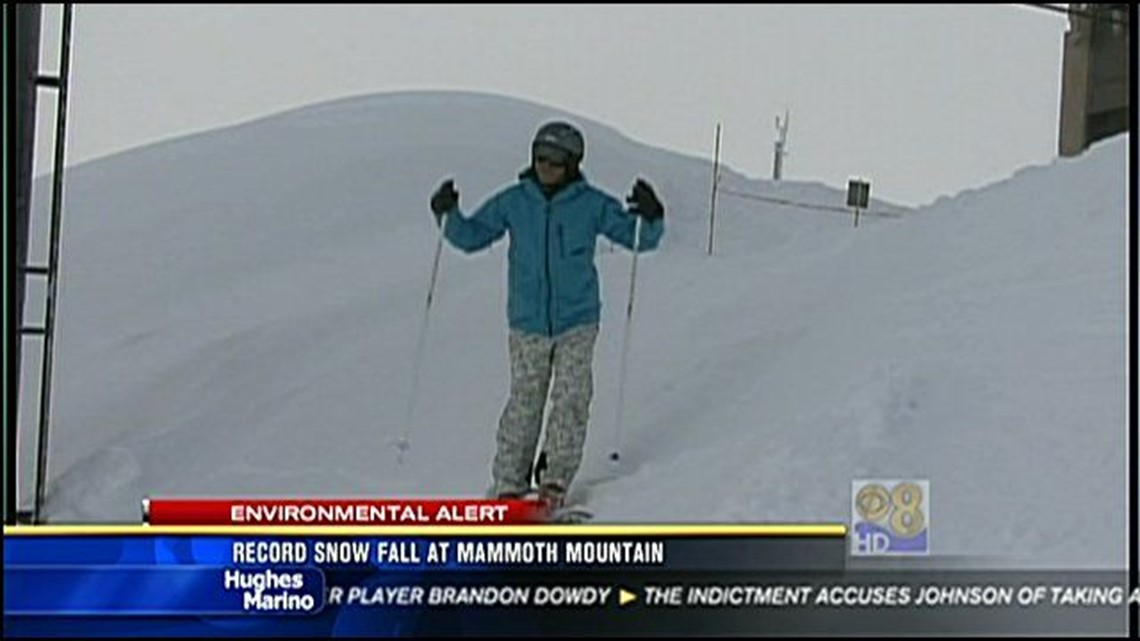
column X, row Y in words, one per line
column 645, row 202
column 444, row 199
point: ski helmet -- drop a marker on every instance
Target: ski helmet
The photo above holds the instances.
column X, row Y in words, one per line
column 561, row 139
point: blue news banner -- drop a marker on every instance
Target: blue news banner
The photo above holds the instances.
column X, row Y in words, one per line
column 582, row 581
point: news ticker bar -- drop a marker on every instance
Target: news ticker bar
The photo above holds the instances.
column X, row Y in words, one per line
column 147, row 572
column 491, row 582
column 351, row 601
column 295, row 591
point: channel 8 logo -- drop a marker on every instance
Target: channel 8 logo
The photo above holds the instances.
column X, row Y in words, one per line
column 890, row 517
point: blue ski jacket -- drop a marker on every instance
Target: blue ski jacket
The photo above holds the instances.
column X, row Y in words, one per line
column 552, row 280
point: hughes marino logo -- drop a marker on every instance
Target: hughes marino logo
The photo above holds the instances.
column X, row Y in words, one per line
column 890, row 517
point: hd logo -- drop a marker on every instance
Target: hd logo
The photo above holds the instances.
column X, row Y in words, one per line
column 890, row 518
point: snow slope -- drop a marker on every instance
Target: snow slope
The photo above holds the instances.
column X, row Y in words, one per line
column 239, row 313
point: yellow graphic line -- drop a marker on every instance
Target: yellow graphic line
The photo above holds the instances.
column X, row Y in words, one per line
column 739, row 530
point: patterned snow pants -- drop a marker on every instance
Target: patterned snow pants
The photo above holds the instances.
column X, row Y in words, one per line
column 535, row 360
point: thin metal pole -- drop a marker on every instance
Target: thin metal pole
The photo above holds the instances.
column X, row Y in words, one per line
column 715, row 180
column 404, row 443
column 616, row 454
column 53, row 267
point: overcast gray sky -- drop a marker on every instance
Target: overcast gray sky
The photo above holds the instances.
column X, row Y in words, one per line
column 922, row 100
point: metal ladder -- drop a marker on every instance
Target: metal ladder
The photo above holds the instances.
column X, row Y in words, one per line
column 50, row 272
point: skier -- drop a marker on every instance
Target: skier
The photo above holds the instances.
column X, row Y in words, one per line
column 554, row 216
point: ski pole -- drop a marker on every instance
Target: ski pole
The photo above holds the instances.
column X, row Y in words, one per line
column 615, row 456
column 403, row 445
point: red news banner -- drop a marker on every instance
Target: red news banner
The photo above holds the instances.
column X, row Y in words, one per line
column 356, row 512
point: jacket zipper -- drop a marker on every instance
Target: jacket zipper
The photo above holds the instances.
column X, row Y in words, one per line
column 549, row 280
